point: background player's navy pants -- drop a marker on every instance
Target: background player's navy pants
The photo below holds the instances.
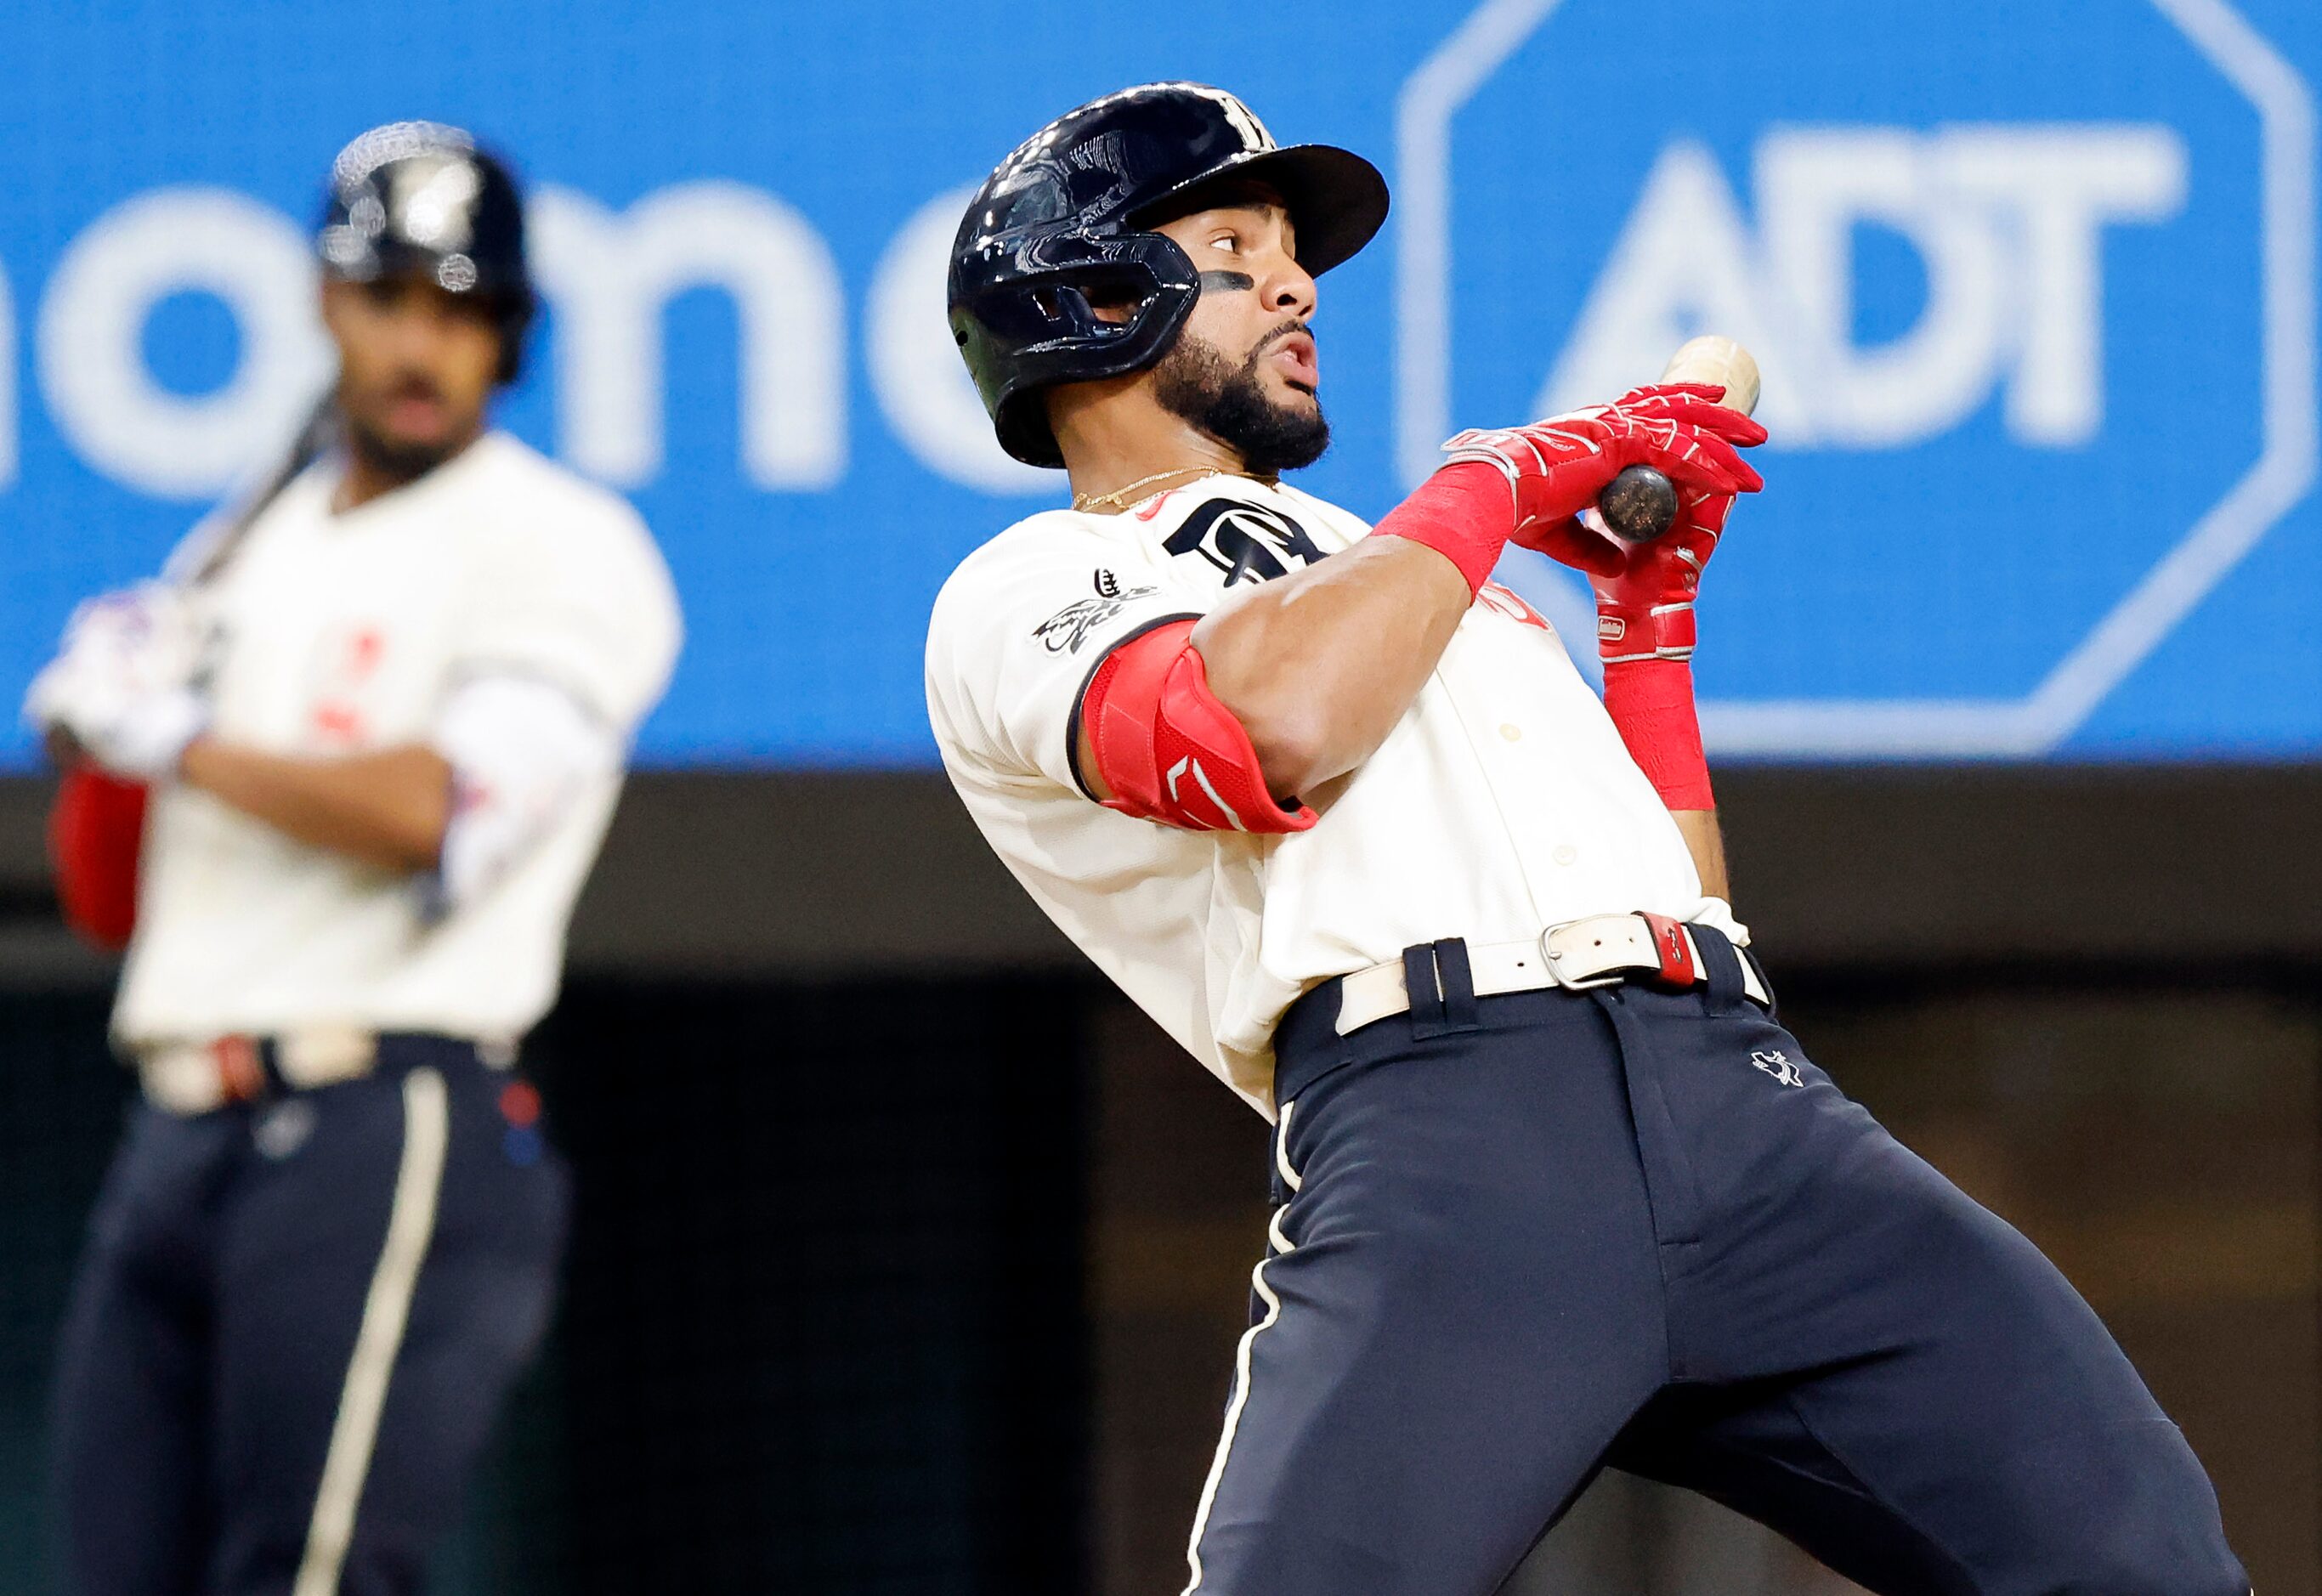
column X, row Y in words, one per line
column 1527, row 1236
column 352, row 1274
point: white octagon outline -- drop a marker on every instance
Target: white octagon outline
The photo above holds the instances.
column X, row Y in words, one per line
column 2153, row 608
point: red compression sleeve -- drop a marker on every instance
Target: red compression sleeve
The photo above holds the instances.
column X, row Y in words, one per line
column 1650, row 702
column 95, row 834
column 1168, row 750
column 1464, row 513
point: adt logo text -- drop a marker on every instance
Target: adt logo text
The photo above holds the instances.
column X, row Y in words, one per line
column 2037, row 351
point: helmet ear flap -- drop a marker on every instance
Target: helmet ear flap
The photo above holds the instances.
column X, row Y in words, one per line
column 516, row 330
column 1036, row 326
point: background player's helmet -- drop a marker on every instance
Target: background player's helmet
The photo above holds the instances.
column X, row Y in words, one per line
column 1065, row 214
column 419, row 196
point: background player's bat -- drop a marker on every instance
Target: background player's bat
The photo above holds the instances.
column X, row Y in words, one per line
column 215, row 541
column 207, row 554
column 1640, row 503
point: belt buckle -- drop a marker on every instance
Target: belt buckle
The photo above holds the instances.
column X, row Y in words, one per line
column 1554, row 962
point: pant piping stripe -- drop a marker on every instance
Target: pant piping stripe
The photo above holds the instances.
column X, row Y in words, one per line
column 387, row 1311
column 1290, row 1176
column 1240, row 1394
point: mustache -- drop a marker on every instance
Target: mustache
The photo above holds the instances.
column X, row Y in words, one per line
column 409, row 384
column 1258, row 351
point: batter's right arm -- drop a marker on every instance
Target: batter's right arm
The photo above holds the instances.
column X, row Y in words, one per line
column 1320, row 665
column 1279, row 657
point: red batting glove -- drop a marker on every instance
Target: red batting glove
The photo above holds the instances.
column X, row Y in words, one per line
column 1644, row 603
column 1556, row 467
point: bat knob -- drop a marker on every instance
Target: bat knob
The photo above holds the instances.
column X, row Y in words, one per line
column 1639, row 505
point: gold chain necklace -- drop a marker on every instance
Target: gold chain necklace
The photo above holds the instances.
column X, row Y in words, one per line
column 1118, row 498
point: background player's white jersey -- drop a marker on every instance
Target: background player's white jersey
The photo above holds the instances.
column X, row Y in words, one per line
column 1502, row 803
column 345, row 633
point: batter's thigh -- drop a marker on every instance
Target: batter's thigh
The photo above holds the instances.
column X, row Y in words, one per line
column 1459, row 1309
column 1894, row 1377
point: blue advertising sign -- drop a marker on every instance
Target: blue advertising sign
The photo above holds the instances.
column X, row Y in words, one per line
column 2034, row 292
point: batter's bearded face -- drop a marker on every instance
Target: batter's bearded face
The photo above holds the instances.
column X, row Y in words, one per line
column 1245, row 367
column 416, row 368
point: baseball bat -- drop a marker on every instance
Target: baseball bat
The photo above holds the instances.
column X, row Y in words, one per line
column 209, row 556
column 1639, row 505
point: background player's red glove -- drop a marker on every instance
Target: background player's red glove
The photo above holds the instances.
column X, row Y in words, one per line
column 1556, row 467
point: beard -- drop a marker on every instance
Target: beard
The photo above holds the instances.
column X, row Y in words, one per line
column 1195, row 382
column 398, row 459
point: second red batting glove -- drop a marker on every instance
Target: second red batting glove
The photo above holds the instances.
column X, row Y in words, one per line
column 1644, row 603
column 1645, row 595
column 1644, row 632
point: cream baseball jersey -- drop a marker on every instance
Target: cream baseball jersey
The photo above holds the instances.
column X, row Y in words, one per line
column 495, row 581
column 1502, row 802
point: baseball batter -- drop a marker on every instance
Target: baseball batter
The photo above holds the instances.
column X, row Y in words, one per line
column 382, row 715
column 1554, row 1190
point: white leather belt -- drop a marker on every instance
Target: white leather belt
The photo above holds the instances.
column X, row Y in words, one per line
column 196, row 1077
column 1577, row 955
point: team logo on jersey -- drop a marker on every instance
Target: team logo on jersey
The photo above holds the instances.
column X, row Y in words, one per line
column 1249, row 543
column 1069, row 627
column 1779, row 1065
column 348, row 669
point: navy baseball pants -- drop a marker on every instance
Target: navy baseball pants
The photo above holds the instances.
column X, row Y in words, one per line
column 1522, row 1238
column 294, row 1323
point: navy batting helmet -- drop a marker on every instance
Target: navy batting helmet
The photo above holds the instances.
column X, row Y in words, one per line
column 419, row 196
column 1067, row 215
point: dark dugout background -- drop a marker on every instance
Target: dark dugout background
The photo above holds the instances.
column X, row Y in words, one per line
column 909, row 1258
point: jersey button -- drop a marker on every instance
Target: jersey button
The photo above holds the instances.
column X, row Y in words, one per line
column 1511, row 731
column 1566, row 854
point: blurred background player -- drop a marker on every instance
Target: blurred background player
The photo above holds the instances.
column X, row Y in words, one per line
column 1343, row 818
column 382, row 713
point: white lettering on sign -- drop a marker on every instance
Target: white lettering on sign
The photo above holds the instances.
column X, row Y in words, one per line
column 612, row 278
column 2008, row 221
column 90, row 340
column 922, row 383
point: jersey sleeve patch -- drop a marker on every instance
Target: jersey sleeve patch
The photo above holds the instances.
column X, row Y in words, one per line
column 1018, row 631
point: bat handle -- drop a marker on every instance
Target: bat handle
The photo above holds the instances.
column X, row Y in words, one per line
column 1638, row 505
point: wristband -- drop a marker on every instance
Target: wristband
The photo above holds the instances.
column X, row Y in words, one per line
column 1464, row 512
column 1650, row 702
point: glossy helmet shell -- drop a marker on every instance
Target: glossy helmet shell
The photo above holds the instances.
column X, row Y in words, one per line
column 420, row 198
column 1066, row 214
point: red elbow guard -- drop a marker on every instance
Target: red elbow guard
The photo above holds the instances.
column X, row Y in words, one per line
column 1168, row 750
column 95, row 834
